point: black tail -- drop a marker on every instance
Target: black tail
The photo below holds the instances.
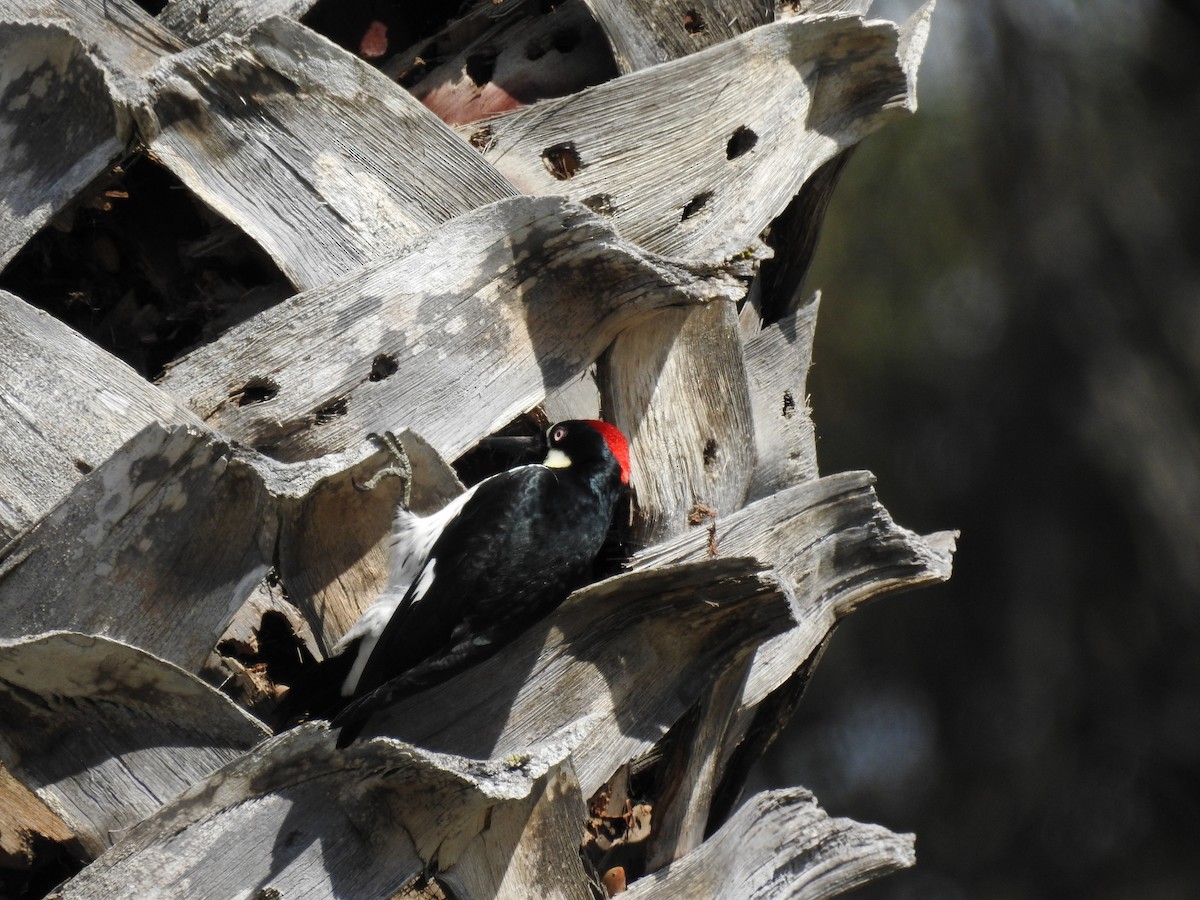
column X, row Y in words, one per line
column 317, row 693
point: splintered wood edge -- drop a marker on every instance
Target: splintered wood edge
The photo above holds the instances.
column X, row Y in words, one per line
column 834, row 547
column 399, row 810
column 809, row 88
column 69, row 406
column 82, row 709
column 587, row 662
column 479, row 318
column 781, row 844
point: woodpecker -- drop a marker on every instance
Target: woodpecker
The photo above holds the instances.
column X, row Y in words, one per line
column 469, row 578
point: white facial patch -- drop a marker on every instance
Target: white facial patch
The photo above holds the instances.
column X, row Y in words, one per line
column 556, row 459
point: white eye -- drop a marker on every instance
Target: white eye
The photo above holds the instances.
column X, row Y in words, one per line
column 558, row 434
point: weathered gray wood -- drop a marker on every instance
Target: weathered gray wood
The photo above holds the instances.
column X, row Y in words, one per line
column 317, row 156
column 832, row 544
column 647, row 32
column 588, row 663
column 47, row 79
column 790, row 9
column 334, row 544
column 807, row 89
column 480, row 318
column 676, row 385
column 123, row 39
column 158, row 548
column 529, row 849
column 25, row 823
column 107, row 733
column 777, row 363
column 780, row 844
column 197, row 21
column 296, row 817
column 65, row 407
column 694, row 770
column 487, row 62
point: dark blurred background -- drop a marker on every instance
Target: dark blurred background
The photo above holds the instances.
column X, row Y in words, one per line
column 1010, row 339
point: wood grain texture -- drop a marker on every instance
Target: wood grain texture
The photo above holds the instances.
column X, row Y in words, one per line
column 47, row 78
column 298, row 817
column 492, row 61
column 196, row 21
column 65, row 407
column 106, row 733
column 676, row 385
column 529, row 849
column 647, row 32
column 785, row 441
column 25, row 823
column 158, row 547
column 478, row 319
column 832, row 544
column 586, row 664
column 334, row 539
column 317, row 156
column 806, row 89
column 780, row 844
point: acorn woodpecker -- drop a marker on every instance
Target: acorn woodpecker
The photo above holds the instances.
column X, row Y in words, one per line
column 469, row 578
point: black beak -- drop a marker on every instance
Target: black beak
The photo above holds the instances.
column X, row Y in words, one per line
column 524, row 448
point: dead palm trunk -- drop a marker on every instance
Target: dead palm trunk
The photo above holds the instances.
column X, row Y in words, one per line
column 601, row 251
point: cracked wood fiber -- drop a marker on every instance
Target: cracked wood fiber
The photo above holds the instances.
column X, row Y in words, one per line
column 158, row 547
column 806, row 90
column 832, row 545
column 322, row 160
column 780, row 844
column 300, row 818
column 106, row 733
column 480, row 318
column 65, row 407
column 587, row 663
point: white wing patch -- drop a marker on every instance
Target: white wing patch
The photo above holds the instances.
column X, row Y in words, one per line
column 412, row 539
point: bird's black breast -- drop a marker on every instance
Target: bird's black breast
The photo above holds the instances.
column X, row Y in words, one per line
column 524, row 540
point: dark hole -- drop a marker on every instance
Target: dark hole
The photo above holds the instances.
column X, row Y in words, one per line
column 692, row 22
column 82, row 467
column 789, row 404
column 535, row 50
column 383, row 366
column 565, row 40
column 600, row 203
column 710, row 453
column 481, row 138
column 741, row 141
column 696, row 204
column 256, row 390
column 338, row 406
column 562, row 161
column 481, row 66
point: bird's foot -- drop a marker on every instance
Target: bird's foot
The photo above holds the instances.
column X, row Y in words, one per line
column 400, row 467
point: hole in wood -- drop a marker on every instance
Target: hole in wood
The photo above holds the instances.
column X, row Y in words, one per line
column 693, row 24
column 600, row 203
column 535, row 50
column 481, row 67
column 565, row 39
column 338, row 406
column 742, row 141
column 82, row 467
column 256, row 390
column 481, row 138
column 383, row 366
column 710, row 453
column 696, row 204
column 562, row 161
column 789, row 404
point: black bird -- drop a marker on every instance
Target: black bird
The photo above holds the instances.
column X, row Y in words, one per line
column 471, row 577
